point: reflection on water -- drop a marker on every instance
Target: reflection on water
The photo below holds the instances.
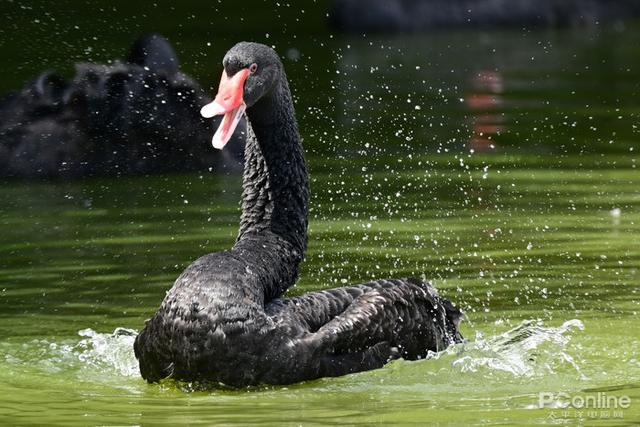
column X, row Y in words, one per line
column 561, row 92
column 484, row 102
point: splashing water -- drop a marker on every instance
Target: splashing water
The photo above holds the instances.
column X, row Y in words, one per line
column 108, row 352
column 529, row 349
column 96, row 354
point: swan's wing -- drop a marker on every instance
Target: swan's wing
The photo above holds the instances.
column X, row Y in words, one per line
column 406, row 313
column 315, row 309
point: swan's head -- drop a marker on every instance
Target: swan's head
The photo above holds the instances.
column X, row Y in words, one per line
column 251, row 71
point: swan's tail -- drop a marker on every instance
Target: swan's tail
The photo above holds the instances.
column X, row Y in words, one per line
column 439, row 321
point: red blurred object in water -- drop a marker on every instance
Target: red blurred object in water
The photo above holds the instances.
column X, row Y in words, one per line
column 484, row 101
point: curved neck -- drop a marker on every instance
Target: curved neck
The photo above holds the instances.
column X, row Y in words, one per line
column 275, row 197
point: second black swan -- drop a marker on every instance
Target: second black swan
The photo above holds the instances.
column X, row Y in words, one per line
column 225, row 321
column 133, row 116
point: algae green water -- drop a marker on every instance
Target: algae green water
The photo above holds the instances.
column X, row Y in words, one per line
column 523, row 208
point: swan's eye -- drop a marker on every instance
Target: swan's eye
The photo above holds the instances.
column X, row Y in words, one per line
column 253, row 68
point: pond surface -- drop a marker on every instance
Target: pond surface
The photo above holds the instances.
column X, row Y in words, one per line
column 501, row 165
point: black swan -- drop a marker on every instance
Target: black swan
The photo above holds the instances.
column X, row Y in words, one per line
column 118, row 119
column 420, row 15
column 225, row 321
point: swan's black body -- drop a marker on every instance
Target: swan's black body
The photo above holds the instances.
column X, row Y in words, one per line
column 224, row 319
column 136, row 116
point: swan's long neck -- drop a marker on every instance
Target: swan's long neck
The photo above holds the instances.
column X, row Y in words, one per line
column 275, row 199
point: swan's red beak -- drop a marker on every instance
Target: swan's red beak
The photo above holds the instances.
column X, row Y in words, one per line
column 228, row 102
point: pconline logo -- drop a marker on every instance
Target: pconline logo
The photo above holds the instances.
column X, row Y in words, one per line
column 599, row 400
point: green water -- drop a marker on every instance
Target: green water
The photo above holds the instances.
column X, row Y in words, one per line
column 537, row 238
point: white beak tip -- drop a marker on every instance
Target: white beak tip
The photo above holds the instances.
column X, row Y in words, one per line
column 217, row 143
column 211, row 109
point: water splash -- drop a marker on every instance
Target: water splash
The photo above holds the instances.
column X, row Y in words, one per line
column 530, row 349
column 108, row 352
column 100, row 359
